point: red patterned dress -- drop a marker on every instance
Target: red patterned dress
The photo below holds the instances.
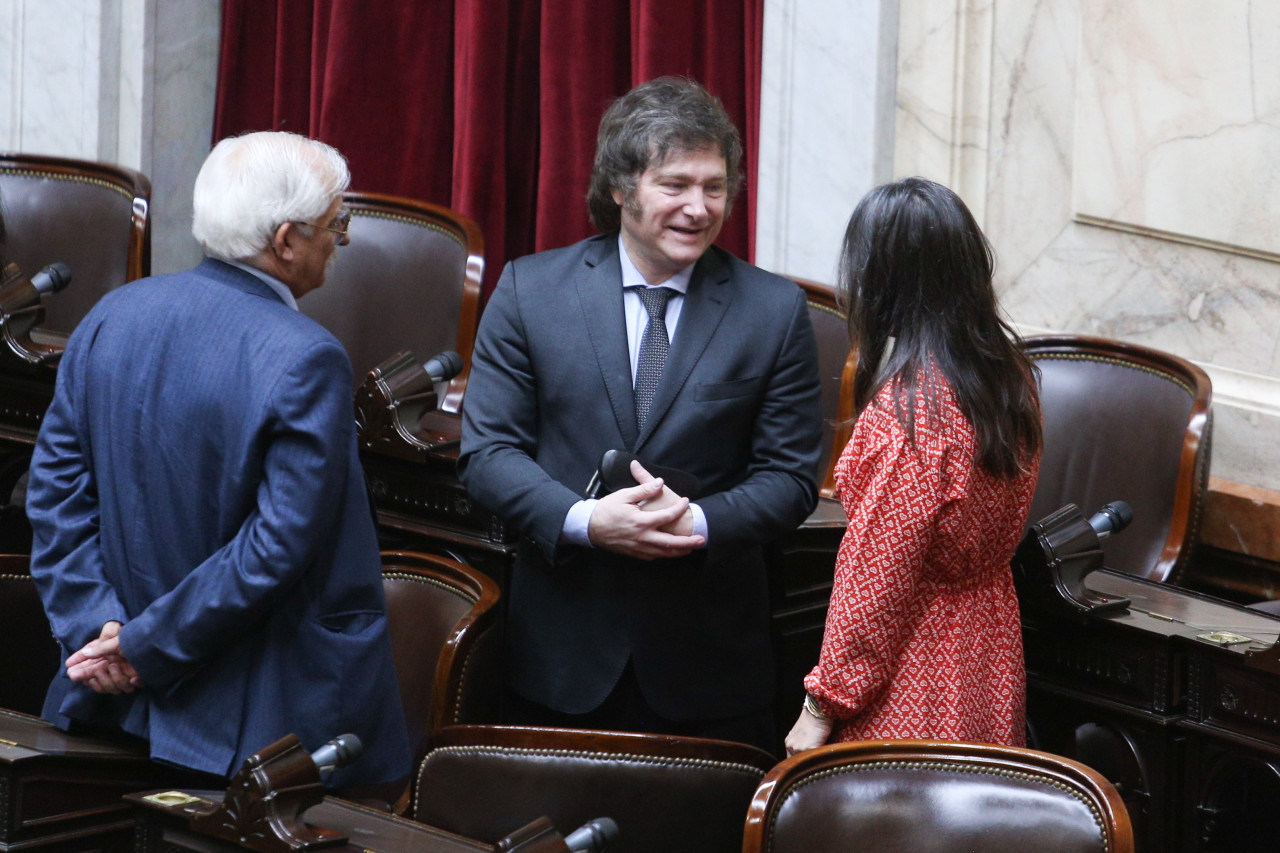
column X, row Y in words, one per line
column 923, row 637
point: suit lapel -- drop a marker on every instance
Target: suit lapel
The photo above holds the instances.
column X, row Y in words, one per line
column 704, row 307
column 600, row 295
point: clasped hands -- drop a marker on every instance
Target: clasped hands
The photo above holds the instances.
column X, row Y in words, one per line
column 102, row 666
column 647, row 521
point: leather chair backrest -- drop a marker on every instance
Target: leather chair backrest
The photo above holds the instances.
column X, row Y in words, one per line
column 31, row 656
column 1123, row 422
column 835, row 362
column 408, row 280
column 444, row 626
column 882, row 796
column 93, row 217
column 665, row 793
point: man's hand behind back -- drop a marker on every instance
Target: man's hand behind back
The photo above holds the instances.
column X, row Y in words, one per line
column 101, row 665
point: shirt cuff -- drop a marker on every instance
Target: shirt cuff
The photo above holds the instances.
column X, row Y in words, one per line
column 577, row 524
column 699, row 523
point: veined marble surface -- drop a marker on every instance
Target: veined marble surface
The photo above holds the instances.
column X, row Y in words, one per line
column 825, row 127
column 184, row 80
column 1218, row 308
column 51, row 50
column 1178, row 120
column 943, row 94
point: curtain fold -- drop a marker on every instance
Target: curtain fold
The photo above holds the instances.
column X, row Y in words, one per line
column 490, row 108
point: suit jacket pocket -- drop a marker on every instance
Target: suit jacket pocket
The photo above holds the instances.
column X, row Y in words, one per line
column 708, row 391
column 351, row 621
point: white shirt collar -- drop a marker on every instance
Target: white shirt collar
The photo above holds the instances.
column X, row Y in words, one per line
column 631, row 276
column 281, row 289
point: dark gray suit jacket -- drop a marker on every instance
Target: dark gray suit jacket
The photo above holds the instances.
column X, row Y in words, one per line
column 738, row 406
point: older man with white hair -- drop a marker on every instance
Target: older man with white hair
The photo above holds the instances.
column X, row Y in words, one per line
column 203, row 541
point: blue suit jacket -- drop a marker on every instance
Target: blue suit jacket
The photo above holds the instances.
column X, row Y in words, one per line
column 196, row 478
column 738, row 406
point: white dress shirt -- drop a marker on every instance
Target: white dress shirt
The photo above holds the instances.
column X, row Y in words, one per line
column 578, row 521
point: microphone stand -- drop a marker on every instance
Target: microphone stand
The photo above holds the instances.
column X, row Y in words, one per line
column 391, row 405
column 1052, row 561
column 264, row 803
column 20, row 312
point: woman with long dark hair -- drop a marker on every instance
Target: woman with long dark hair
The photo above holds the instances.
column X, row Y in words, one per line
column 923, row 637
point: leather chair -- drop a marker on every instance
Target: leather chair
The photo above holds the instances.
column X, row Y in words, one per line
column 1124, row 422
column 31, row 656
column 444, row 624
column 93, row 217
column 836, row 363
column 873, row 796
column 664, row 792
column 408, row 280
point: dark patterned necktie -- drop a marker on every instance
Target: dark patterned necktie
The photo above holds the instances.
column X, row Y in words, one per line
column 653, row 349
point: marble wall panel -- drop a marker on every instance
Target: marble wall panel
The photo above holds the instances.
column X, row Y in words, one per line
column 54, row 68
column 943, row 94
column 135, row 34
column 826, row 104
column 10, row 73
column 1178, row 121
column 183, row 78
column 1218, row 308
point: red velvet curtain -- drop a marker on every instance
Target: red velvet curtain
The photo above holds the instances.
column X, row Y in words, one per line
column 487, row 107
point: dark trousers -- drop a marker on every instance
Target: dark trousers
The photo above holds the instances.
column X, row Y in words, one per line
column 626, row 710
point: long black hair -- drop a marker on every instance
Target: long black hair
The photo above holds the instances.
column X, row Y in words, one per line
column 916, row 270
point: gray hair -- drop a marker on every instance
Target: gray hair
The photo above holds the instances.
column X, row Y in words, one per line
column 643, row 127
column 250, row 185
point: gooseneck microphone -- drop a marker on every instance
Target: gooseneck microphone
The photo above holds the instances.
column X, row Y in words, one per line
column 1112, row 518
column 443, row 367
column 338, row 752
column 593, row 836
column 51, row 279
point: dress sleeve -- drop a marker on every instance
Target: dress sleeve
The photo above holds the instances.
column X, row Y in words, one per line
column 893, row 493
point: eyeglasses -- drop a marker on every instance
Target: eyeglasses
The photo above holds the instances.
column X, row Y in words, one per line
column 340, row 223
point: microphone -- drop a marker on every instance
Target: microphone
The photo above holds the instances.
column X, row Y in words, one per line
column 592, row 836
column 443, row 367
column 338, row 752
column 51, row 279
column 1112, row 518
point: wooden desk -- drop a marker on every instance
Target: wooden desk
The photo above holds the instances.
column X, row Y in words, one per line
column 1161, row 699
column 25, row 394
column 63, row 792
column 28, row 369
column 799, row 591
column 162, row 825
column 410, row 456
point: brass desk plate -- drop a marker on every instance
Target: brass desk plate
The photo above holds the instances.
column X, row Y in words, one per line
column 1224, row 638
column 173, row 798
